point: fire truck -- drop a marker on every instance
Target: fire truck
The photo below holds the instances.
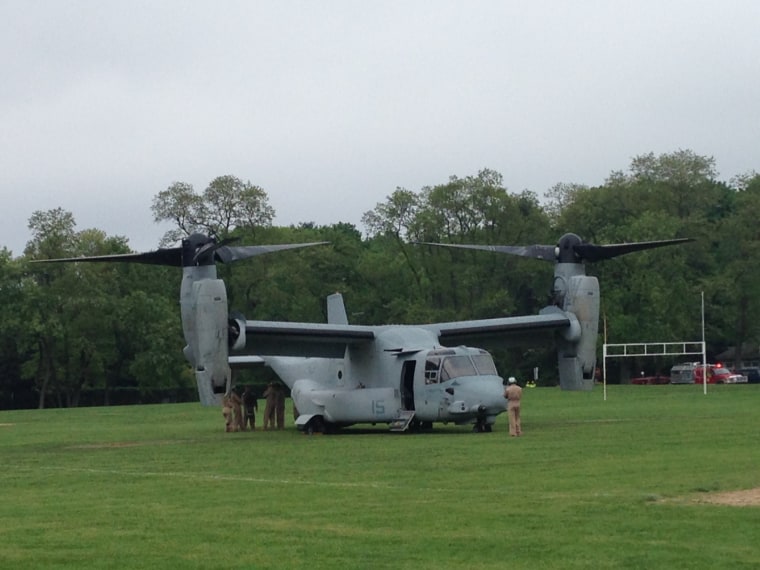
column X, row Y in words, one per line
column 693, row 373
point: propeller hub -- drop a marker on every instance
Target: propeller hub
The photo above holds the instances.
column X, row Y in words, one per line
column 198, row 249
column 566, row 252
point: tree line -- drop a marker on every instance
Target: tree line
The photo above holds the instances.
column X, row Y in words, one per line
column 100, row 334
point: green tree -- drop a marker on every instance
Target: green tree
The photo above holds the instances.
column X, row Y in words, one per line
column 53, row 234
column 14, row 331
column 77, row 314
column 181, row 205
column 737, row 280
column 147, row 333
column 226, row 203
column 560, row 196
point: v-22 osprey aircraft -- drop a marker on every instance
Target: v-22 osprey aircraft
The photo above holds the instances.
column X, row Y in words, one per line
column 402, row 375
column 396, row 374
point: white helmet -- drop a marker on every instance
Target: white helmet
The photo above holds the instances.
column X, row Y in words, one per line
column 512, row 380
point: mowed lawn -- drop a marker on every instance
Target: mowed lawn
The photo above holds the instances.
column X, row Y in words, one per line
column 621, row 483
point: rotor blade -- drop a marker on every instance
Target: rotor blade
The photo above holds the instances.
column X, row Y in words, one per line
column 169, row 256
column 173, row 256
column 591, row 252
column 545, row 252
column 227, row 254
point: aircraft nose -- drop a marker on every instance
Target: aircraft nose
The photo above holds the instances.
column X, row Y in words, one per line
column 497, row 402
column 487, row 395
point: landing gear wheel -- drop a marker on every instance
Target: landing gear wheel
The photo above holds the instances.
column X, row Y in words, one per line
column 316, row 425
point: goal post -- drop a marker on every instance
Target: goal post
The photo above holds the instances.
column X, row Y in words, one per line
column 639, row 349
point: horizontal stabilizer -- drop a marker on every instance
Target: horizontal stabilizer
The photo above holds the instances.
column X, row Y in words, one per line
column 246, row 361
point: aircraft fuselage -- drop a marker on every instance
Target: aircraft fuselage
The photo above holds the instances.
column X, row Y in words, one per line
column 376, row 383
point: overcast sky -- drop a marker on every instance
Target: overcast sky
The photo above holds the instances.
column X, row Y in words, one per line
column 331, row 105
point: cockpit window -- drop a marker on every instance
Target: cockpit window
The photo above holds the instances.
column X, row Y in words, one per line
column 456, row 366
column 484, row 364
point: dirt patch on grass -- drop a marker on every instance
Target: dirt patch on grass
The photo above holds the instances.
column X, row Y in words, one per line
column 748, row 498
column 6, row 425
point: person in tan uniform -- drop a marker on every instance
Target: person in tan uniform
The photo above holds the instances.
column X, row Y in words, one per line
column 227, row 412
column 513, row 394
column 237, row 412
column 270, row 395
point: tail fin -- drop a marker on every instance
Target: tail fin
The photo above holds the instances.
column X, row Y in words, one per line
column 336, row 311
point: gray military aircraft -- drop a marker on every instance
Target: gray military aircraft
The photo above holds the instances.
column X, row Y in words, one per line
column 342, row 374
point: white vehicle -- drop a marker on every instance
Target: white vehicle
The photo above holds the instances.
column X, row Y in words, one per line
column 683, row 373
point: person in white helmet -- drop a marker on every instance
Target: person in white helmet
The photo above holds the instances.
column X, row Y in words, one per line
column 513, row 394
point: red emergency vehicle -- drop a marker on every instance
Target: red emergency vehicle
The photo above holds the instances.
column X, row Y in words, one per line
column 693, row 373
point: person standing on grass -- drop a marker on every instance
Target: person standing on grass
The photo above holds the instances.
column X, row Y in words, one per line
column 251, row 405
column 238, row 422
column 513, row 394
column 270, row 394
column 227, row 412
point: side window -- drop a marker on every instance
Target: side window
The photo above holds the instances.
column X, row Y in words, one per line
column 431, row 370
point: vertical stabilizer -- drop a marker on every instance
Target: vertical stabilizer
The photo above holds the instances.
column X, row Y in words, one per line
column 336, row 310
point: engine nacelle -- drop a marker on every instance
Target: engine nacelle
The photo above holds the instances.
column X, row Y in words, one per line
column 577, row 353
column 210, row 334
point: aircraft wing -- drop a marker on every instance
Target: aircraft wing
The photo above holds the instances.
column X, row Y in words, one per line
column 267, row 338
column 319, row 340
column 506, row 330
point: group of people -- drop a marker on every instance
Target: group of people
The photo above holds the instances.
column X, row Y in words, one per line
column 239, row 410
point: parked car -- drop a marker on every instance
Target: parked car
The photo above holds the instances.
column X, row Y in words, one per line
column 649, row 380
column 752, row 373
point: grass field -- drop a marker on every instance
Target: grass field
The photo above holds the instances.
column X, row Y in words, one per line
column 621, row 483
